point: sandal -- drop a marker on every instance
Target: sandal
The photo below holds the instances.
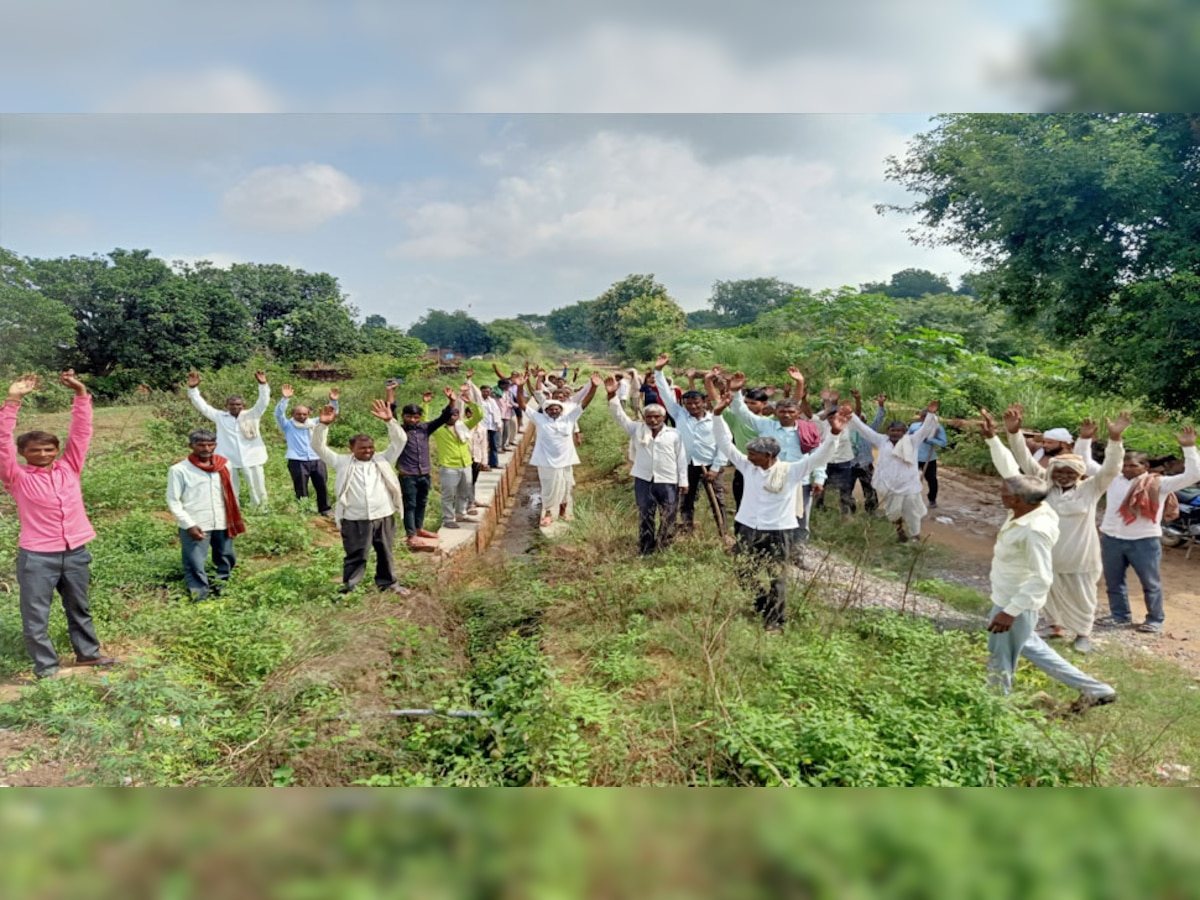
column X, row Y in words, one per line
column 1149, row 628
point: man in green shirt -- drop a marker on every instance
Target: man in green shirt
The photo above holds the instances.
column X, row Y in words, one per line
column 452, row 447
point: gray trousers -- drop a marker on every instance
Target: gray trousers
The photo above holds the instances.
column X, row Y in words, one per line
column 39, row 575
column 361, row 535
column 509, row 434
column 457, row 492
column 1023, row 640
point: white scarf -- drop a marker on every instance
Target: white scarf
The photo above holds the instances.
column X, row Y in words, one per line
column 248, row 426
column 776, row 476
column 905, row 450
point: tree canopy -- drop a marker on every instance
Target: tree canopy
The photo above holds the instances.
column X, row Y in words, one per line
column 455, row 331
column 909, row 283
column 741, row 302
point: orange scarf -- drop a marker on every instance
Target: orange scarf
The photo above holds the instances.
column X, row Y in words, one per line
column 233, row 514
column 1142, row 499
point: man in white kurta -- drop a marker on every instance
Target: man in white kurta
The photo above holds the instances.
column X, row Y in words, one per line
column 239, row 434
column 1022, row 572
column 659, row 472
column 554, row 450
column 897, row 477
column 1071, row 604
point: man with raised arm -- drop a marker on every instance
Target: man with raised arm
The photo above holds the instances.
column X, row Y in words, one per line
column 414, row 464
column 239, row 437
column 694, row 423
column 368, row 497
column 768, row 530
column 303, row 464
column 554, row 452
column 52, row 552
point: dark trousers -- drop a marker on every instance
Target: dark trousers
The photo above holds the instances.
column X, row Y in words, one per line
column 39, row 575
column 493, row 448
column 474, row 476
column 930, row 470
column 863, row 475
column 357, row 536
column 195, row 556
column 415, row 491
column 840, row 477
column 304, row 470
column 687, row 506
column 760, row 557
column 655, row 498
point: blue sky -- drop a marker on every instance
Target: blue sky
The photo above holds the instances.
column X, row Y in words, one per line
column 452, row 157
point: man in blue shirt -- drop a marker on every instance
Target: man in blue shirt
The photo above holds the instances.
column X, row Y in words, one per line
column 927, row 456
column 303, row 464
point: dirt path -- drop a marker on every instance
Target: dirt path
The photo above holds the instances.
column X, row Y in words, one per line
column 968, row 516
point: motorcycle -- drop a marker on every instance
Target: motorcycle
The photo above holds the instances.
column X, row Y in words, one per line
column 1186, row 528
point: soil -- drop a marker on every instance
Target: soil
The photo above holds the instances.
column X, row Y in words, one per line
column 972, row 504
column 519, row 528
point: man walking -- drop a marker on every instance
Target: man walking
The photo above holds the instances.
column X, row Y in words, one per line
column 201, row 497
column 303, row 464
column 52, row 552
column 239, row 438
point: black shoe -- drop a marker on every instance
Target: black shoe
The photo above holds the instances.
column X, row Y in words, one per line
column 1083, row 703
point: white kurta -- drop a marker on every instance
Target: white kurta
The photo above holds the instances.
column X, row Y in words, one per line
column 555, row 445
column 892, row 474
column 232, row 442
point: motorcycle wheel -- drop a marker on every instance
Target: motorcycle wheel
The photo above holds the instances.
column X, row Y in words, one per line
column 1170, row 539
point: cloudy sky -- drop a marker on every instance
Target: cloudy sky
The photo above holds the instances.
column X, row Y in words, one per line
column 500, row 158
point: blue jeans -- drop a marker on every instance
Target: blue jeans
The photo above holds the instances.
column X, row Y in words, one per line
column 1022, row 640
column 493, row 449
column 1145, row 555
column 195, row 554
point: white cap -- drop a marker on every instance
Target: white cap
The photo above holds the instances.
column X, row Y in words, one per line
column 1058, row 434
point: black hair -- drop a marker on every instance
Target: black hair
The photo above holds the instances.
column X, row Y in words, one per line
column 896, row 422
column 755, row 394
column 692, row 395
column 36, row 437
column 355, row 438
column 411, row 409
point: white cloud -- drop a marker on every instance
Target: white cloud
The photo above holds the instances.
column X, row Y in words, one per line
column 290, row 198
column 218, row 89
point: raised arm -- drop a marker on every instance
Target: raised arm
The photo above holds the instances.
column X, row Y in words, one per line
column 666, row 396
column 320, row 436
column 1191, row 464
column 811, row 462
column 202, row 407
column 259, row 409
column 586, row 393
column 79, row 437
column 870, row 435
column 9, row 469
column 1002, row 459
column 618, row 412
column 281, row 407
column 1114, row 453
column 725, row 446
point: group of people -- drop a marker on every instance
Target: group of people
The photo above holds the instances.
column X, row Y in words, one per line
column 1048, row 555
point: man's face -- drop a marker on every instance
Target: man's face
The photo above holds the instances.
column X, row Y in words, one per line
column 561, row 394
column 1053, row 448
column 301, row 414
column 203, row 450
column 363, row 448
column 40, row 453
column 654, row 420
column 755, row 406
column 694, row 406
column 786, row 415
column 410, row 419
column 234, row 406
column 485, row 391
column 1007, row 497
column 1133, row 468
column 760, row 459
column 1065, row 478
column 553, row 410
column 895, row 432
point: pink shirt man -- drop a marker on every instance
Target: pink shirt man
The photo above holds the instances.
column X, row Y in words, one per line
column 50, row 500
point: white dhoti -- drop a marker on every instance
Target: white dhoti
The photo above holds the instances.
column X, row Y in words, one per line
column 909, row 507
column 1072, row 601
column 556, row 483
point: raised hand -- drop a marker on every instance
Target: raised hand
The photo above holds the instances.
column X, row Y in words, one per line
column 597, row 379
column 286, row 391
column 1088, row 429
column 380, row 409
column 68, row 379
column 260, row 376
column 427, row 397
column 1116, row 427
column 1187, row 436
column 334, row 393
column 770, row 390
column 840, row 419
column 1012, row 418
column 795, row 374
column 854, row 392
column 988, row 428
column 690, row 373
column 880, row 399
column 737, row 382
column 26, row 384
column 471, row 372
column 328, row 414
column 610, row 385
column 662, row 360
column 518, row 380
column 193, row 379
column 933, row 406
column 449, row 392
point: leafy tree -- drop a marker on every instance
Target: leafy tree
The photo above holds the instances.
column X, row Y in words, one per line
column 647, row 324
column 606, row 313
column 389, row 340
column 37, row 330
column 375, row 321
column 537, row 323
column 322, row 330
column 909, row 283
column 571, row 326
column 455, row 331
column 983, row 330
column 741, row 302
column 705, row 318
column 503, row 332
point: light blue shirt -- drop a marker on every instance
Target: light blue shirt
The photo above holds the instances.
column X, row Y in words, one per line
column 696, row 434
column 789, row 438
column 863, row 450
column 299, row 437
column 928, row 450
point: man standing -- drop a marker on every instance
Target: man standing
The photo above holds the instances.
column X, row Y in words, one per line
column 414, row 464
column 51, row 550
column 1022, row 572
column 303, row 464
column 659, row 470
column 704, row 461
column 239, row 438
column 368, row 496
column 1131, row 532
column 554, row 452
column 453, row 446
column 201, row 497
column 927, row 455
column 862, row 469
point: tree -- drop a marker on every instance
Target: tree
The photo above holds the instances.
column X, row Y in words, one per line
column 38, row 330
column 503, row 332
column 1076, row 219
column 741, row 302
column 647, row 324
column 537, row 323
column 699, row 319
column 375, row 321
column 909, row 283
column 571, row 326
column 454, row 331
column 607, row 310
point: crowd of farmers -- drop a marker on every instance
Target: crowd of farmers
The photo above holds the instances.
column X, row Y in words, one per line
column 685, row 435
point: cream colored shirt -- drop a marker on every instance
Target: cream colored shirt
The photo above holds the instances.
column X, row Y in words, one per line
column 1023, row 561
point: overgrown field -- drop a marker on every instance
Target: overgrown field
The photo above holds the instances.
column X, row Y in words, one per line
column 587, row 665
